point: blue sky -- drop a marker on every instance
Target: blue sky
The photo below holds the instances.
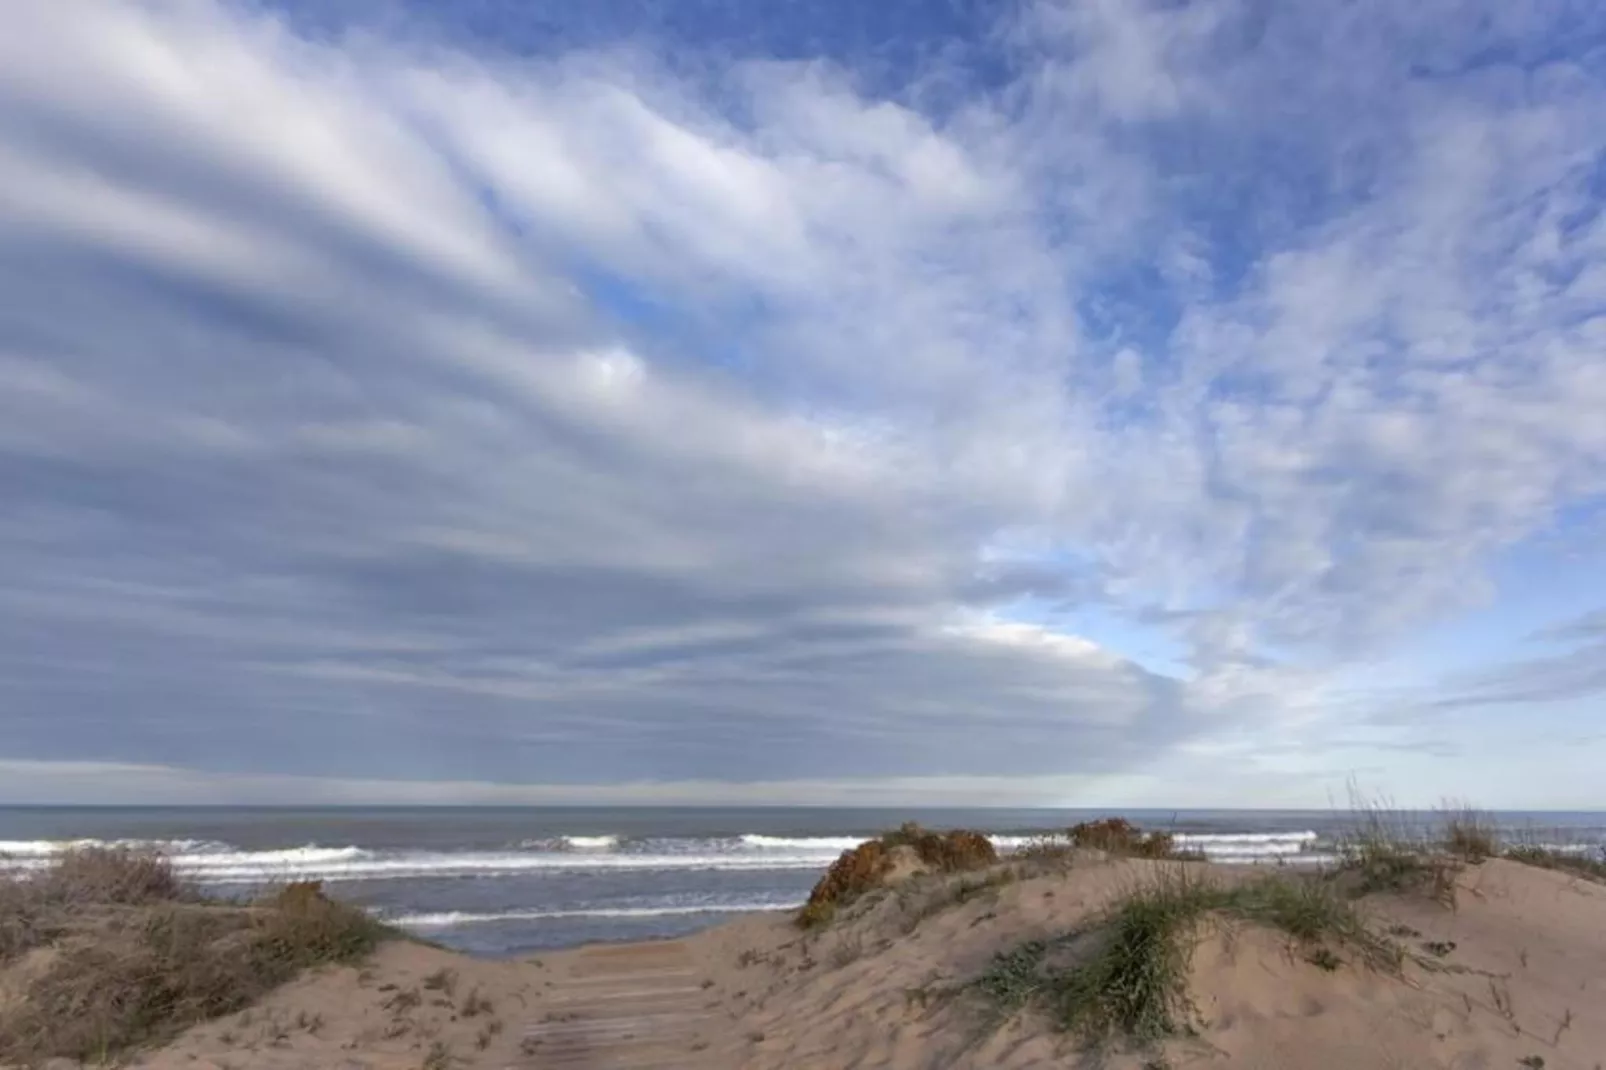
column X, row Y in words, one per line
column 1145, row 404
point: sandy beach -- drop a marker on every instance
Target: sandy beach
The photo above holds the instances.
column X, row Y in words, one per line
column 1506, row 970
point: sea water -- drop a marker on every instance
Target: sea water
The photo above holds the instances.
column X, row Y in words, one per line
column 512, row 881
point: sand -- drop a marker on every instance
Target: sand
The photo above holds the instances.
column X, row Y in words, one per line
column 1524, row 981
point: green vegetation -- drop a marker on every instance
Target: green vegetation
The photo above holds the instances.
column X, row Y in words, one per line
column 917, row 907
column 1382, row 854
column 1377, row 866
column 1125, row 976
column 138, row 956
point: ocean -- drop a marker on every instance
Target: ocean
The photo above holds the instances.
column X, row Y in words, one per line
column 504, row 882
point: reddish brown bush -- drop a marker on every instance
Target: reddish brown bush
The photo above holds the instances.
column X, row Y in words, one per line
column 853, row 873
column 1119, row 836
column 866, row 866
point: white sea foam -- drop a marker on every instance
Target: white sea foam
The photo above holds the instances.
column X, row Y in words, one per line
column 15, row 849
column 1246, row 838
column 570, row 843
column 219, row 864
column 835, row 845
column 1248, row 847
column 591, row 843
column 823, row 844
column 222, row 864
column 453, row 918
column 1228, row 846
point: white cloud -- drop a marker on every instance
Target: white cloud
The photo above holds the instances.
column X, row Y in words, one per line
column 571, row 401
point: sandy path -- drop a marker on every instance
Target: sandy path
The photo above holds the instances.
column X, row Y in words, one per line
column 634, row 1006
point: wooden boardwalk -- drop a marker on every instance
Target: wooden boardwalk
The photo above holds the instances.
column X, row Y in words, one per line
column 637, row 1007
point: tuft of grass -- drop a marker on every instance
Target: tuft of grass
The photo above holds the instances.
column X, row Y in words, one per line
column 1015, row 977
column 1126, row 975
column 488, row 1033
column 302, row 928
column 1469, row 835
column 117, row 876
column 140, row 957
column 1580, row 865
column 1136, row 983
column 404, row 1000
column 38, row 909
column 1324, row 959
column 1384, row 854
column 953, row 893
column 442, row 980
column 24, row 923
column 848, row 950
column 865, row 867
column 476, row 1004
column 1312, row 913
column 1379, row 867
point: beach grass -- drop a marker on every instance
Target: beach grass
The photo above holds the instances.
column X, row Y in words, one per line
column 136, row 954
column 1124, row 976
column 1593, row 869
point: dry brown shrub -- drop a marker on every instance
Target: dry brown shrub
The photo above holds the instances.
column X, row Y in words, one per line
column 957, row 851
column 127, row 987
column 138, row 958
column 1118, row 836
column 1471, row 836
column 866, row 866
column 854, row 872
column 24, row 923
column 306, row 928
column 111, row 875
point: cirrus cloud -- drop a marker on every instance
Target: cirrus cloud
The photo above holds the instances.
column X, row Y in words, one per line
column 582, row 418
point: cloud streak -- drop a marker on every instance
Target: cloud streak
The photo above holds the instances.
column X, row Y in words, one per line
column 588, row 417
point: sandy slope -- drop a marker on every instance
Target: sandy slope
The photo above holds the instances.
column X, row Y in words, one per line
column 1526, row 980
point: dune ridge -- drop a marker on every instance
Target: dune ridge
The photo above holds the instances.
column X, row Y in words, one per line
column 1458, row 955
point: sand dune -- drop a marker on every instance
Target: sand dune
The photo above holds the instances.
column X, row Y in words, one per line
column 1513, row 976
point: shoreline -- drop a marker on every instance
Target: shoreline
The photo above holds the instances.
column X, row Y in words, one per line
column 1451, row 961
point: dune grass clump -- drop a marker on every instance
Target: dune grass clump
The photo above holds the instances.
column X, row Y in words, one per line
column 1374, row 867
column 1310, row 911
column 1118, row 836
column 1125, row 976
column 301, row 927
column 868, row 865
column 1579, row 865
column 33, row 907
column 1470, row 836
column 138, row 955
column 119, row 876
column 1384, row 854
column 23, row 923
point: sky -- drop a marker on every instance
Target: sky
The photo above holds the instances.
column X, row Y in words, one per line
column 925, row 402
